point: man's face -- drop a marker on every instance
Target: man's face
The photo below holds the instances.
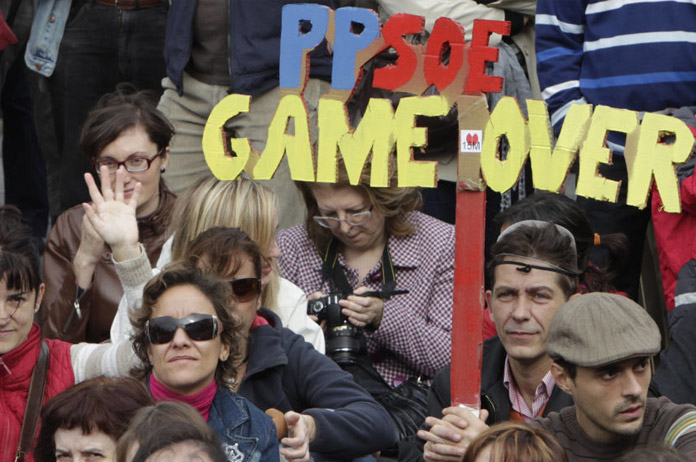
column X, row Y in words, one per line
column 610, row 400
column 522, row 305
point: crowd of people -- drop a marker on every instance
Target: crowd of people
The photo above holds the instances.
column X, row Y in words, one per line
column 152, row 312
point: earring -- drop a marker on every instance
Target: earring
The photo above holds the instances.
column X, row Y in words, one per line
column 162, row 169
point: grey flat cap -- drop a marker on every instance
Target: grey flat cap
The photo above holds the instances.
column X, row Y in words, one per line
column 597, row 329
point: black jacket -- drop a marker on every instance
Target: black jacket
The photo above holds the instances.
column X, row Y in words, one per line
column 494, row 396
column 287, row 373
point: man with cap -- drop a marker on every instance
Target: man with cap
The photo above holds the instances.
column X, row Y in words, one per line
column 533, row 273
column 602, row 347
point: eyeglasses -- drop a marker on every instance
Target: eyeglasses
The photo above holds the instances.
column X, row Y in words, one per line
column 133, row 164
column 197, row 326
column 246, row 289
column 353, row 219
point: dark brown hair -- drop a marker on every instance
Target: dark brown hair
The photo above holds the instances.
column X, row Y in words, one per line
column 393, row 202
column 173, row 423
column 220, row 251
column 119, row 111
column 222, row 298
column 19, row 256
column 101, row 404
column 515, row 441
column 544, row 243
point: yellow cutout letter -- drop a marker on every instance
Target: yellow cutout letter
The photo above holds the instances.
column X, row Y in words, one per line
column 225, row 165
column 648, row 157
column 413, row 173
column 375, row 133
column 298, row 146
column 549, row 170
column 594, row 152
column 506, row 119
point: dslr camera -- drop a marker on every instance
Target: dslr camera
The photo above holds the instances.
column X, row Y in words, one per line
column 343, row 339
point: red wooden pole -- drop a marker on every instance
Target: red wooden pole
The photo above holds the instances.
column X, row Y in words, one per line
column 467, row 314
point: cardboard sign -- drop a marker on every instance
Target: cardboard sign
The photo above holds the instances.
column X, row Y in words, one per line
column 383, row 130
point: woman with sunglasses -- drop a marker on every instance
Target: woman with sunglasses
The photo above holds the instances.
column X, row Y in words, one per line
column 124, row 131
column 191, row 345
column 242, row 203
column 359, row 239
column 326, row 412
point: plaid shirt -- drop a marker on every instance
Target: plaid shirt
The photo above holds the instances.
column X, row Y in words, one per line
column 414, row 337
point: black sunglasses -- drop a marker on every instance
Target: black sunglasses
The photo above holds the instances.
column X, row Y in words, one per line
column 246, row 289
column 197, row 326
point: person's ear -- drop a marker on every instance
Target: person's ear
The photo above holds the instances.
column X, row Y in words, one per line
column 576, row 294
column 164, row 158
column 224, row 353
column 39, row 297
column 489, row 296
column 562, row 378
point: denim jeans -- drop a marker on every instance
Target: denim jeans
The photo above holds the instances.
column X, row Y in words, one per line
column 102, row 46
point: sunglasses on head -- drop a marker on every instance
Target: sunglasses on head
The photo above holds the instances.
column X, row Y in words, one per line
column 246, row 289
column 197, row 327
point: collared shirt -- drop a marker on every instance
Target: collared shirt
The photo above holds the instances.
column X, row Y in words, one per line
column 541, row 396
column 414, row 337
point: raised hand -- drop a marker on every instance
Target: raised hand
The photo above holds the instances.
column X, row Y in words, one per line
column 111, row 216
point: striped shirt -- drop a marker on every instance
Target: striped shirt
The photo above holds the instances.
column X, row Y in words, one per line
column 631, row 54
column 541, row 396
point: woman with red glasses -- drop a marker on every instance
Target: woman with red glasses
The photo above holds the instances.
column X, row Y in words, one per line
column 191, row 346
column 123, row 132
column 325, row 411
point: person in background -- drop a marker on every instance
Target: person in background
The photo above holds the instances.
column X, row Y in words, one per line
column 83, row 49
column 561, row 210
column 515, row 442
column 125, row 133
column 24, row 355
column 533, row 273
column 85, row 421
column 177, row 424
column 216, row 48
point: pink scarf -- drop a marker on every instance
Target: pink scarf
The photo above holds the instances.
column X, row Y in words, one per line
column 201, row 401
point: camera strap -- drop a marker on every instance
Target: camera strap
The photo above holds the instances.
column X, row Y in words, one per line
column 334, row 273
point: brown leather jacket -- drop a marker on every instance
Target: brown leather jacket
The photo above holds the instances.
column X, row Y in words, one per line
column 100, row 301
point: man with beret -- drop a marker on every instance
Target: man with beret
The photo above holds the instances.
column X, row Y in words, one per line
column 533, row 273
column 602, row 347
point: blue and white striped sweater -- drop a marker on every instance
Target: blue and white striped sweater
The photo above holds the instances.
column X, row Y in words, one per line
column 632, row 54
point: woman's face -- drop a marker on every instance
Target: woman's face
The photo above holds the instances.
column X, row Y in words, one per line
column 17, row 308
column 247, row 310
column 135, row 142
column 341, row 203
column 75, row 446
column 183, row 365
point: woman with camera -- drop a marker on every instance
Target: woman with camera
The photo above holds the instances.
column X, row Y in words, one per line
column 366, row 242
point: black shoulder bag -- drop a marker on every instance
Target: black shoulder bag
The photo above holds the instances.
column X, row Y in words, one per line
column 33, row 407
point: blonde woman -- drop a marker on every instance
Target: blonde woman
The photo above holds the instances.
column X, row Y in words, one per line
column 247, row 205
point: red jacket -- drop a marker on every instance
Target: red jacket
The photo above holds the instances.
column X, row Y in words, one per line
column 15, row 375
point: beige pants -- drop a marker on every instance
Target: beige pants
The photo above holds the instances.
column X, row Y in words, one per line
column 189, row 113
